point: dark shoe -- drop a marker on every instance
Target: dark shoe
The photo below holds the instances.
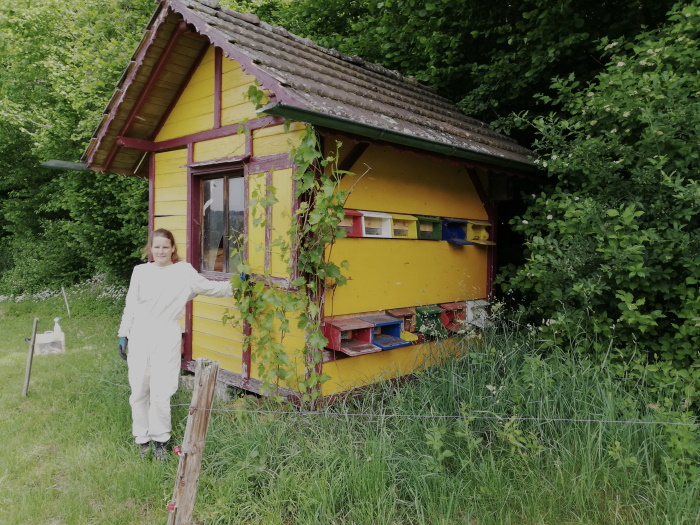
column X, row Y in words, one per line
column 144, row 449
column 160, row 451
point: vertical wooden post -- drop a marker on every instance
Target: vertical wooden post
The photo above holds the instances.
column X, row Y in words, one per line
column 190, row 466
column 30, row 356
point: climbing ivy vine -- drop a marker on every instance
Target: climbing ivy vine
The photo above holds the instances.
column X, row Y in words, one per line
column 266, row 308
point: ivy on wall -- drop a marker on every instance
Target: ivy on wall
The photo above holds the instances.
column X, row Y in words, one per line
column 268, row 308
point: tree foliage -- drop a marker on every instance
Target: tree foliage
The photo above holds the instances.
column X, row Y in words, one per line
column 613, row 242
column 59, row 64
column 491, row 58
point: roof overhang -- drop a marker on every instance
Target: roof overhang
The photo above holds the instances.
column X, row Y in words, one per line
column 382, row 134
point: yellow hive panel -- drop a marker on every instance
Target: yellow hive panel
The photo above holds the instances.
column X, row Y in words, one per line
column 388, row 273
column 411, row 184
column 281, row 221
column 354, row 372
column 256, row 233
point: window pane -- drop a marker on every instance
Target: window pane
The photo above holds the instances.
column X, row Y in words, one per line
column 236, row 222
column 213, row 225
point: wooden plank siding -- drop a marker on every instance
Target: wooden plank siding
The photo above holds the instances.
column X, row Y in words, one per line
column 170, row 187
column 235, row 107
column 273, row 140
column 194, row 110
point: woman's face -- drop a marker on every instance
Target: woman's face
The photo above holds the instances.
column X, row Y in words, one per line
column 162, row 251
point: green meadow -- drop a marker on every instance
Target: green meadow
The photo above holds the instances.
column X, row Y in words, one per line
column 504, row 434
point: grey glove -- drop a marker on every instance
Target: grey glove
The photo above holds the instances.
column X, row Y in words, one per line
column 123, row 343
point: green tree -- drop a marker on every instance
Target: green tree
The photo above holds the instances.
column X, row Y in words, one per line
column 613, row 241
column 59, row 64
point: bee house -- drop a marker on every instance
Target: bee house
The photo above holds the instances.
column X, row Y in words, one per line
column 180, row 118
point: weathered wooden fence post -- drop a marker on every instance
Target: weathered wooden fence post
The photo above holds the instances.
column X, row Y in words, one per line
column 30, row 356
column 187, row 479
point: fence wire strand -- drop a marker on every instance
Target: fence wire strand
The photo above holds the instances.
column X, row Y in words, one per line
column 411, row 416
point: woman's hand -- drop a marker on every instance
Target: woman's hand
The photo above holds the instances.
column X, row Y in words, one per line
column 123, row 343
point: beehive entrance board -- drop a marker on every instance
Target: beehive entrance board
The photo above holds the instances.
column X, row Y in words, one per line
column 403, row 226
column 429, row 228
column 478, row 232
column 386, row 332
column 351, row 223
column 428, row 321
column 453, row 316
column 350, row 336
column 408, row 315
column 376, row 224
column 454, row 231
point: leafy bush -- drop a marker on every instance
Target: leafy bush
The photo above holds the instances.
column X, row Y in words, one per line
column 613, row 242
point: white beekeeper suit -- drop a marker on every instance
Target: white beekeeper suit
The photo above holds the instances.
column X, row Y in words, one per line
column 154, row 306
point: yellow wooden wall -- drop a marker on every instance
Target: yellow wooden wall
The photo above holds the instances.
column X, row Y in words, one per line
column 396, row 273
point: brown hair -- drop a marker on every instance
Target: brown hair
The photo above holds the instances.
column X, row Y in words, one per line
column 161, row 232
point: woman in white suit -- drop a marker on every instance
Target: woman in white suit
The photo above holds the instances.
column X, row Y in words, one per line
column 150, row 326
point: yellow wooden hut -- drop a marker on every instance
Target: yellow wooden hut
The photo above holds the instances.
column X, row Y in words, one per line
column 420, row 223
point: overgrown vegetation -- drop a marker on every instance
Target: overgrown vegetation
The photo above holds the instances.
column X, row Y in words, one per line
column 268, row 308
column 60, row 63
column 504, row 434
column 613, row 241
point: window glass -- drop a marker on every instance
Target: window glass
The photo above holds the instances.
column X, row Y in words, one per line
column 213, row 225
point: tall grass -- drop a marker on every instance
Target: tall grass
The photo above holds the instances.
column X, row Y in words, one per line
column 387, row 457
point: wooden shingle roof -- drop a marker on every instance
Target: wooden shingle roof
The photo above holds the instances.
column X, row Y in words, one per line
column 307, row 82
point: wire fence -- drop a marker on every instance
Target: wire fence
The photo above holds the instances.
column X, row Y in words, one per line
column 365, row 415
